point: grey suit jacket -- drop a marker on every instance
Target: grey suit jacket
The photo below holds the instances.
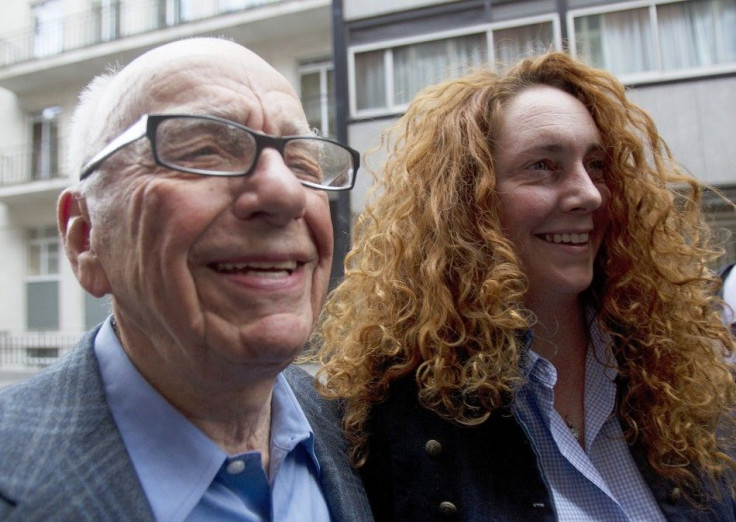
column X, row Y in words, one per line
column 62, row 457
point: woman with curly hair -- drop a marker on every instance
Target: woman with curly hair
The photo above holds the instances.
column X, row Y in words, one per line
column 528, row 328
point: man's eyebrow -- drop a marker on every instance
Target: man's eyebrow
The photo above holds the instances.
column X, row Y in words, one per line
column 297, row 128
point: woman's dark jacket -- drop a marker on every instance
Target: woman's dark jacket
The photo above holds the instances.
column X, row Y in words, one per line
column 424, row 468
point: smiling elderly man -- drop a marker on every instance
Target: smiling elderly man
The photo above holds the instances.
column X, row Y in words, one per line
column 202, row 210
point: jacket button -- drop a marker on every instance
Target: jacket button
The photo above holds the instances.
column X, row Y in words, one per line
column 433, row 448
column 448, row 509
column 675, row 495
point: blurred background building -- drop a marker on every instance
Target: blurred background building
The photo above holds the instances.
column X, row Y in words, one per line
column 356, row 65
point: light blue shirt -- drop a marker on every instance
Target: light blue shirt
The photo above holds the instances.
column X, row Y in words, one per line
column 602, row 481
column 186, row 476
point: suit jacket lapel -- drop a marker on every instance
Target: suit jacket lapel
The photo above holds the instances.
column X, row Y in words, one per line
column 340, row 483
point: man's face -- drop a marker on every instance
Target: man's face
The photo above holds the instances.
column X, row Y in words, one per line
column 208, row 271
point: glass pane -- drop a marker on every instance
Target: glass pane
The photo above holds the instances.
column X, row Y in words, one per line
column 620, row 42
column 107, row 16
column 52, row 148
column 50, row 232
column 52, row 259
column 38, row 166
column 370, row 81
column 417, row 66
column 49, row 28
column 42, row 305
column 331, row 125
column 697, row 34
column 312, row 99
column 510, row 45
column 34, row 260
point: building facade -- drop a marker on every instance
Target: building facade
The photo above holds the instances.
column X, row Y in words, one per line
column 50, row 49
column 356, row 65
column 677, row 56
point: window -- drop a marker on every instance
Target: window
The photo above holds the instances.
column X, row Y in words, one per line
column 654, row 38
column 42, row 279
column 417, row 66
column 107, row 15
column 318, row 96
column 48, row 28
column 386, row 78
column 45, row 143
column 512, row 44
column 236, row 5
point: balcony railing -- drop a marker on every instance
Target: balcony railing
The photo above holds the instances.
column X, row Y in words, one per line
column 21, row 165
column 109, row 23
column 33, row 349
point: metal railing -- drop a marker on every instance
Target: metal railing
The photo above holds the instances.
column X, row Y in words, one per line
column 108, row 23
column 34, row 349
column 20, row 165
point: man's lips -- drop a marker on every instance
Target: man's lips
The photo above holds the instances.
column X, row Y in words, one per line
column 575, row 238
column 257, row 268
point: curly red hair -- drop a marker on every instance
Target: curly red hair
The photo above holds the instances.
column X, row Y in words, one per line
column 433, row 288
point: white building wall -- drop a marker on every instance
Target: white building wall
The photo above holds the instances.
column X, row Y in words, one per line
column 357, row 9
column 696, row 119
column 24, row 206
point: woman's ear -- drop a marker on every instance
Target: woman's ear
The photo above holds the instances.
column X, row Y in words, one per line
column 75, row 227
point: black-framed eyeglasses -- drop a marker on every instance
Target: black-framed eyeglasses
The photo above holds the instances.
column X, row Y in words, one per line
column 212, row 146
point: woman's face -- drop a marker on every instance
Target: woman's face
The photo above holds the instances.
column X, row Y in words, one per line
column 550, row 167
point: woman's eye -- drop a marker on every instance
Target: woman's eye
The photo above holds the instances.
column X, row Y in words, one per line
column 540, row 165
column 596, row 169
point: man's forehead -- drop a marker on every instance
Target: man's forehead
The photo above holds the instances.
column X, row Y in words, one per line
column 217, row 77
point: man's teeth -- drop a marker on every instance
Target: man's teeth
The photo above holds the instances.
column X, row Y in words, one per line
column 567, row 238
column 263, row 269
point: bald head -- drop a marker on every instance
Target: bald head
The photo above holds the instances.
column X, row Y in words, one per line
column 164, row 80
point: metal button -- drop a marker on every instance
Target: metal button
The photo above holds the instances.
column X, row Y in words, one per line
column 675, row 495
column 433, row 448
column 448, row 509
column 235, row 467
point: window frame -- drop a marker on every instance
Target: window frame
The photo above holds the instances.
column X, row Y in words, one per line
column 45, row 153
column 322, row 67
column 42, row 241
column 388, row 46
column 46, row 235
column 658, row 74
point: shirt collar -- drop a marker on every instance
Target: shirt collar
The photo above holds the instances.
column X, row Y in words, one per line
column 175, row 461
column 601, row 343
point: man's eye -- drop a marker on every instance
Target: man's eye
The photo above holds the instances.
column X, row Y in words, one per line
column 201, row 151
column 309, row 171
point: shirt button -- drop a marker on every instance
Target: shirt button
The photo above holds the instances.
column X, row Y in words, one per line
column 235, row 467
column 448, row 509
column 433, row 448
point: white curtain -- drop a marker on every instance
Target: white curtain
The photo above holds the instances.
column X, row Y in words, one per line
column 370, row 80
column 697, row 33
column 419, row 65
column 626, row 41
column 510, row 45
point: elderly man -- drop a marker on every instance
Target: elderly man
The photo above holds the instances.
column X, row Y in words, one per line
column 202, row 209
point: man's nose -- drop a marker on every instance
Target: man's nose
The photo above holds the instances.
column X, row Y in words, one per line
column 271, row 190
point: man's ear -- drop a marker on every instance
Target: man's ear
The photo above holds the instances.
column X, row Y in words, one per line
column 75, row 227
